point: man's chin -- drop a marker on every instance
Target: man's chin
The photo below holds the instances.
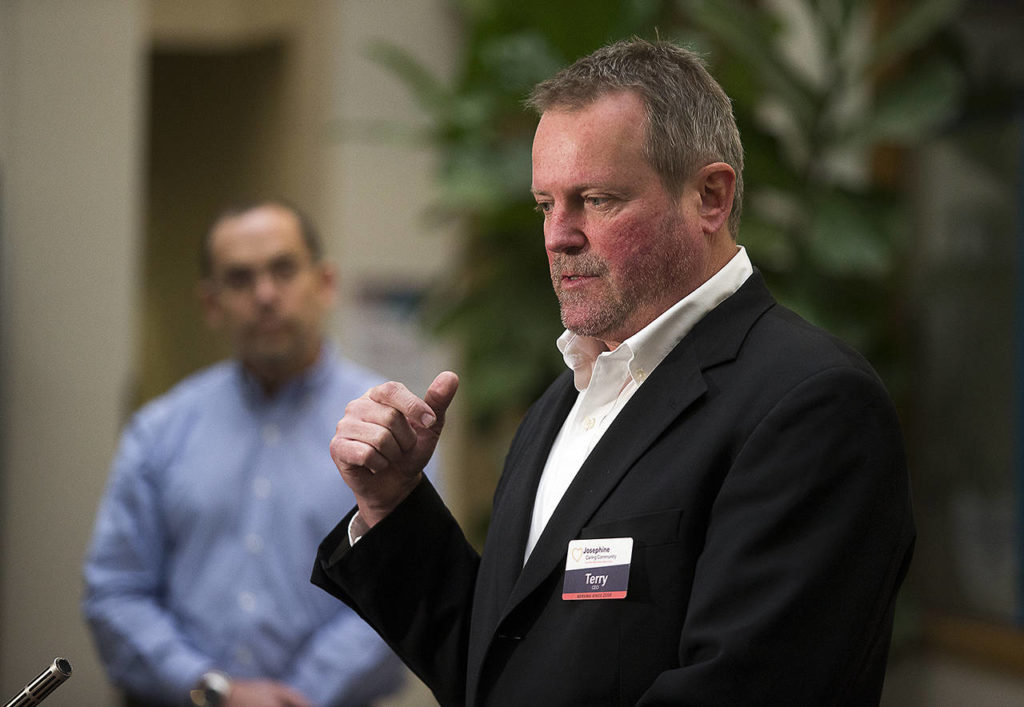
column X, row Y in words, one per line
column 270, row 357
column 588, row 326
column 278, row 356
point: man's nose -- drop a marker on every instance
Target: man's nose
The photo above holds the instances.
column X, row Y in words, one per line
column 265, row 287
column 563, row 231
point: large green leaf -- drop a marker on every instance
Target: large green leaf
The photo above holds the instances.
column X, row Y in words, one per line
column 914, row 106
column 750, row 34
column 517, row 62
column 848, row 237
column 431, row 94
column 911, row 30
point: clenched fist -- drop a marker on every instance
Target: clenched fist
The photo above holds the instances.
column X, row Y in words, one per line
column 386, row 438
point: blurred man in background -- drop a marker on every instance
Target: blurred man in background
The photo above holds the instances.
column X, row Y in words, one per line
column 196, row 580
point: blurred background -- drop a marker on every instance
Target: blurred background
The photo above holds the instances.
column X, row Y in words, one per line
column 884, row 201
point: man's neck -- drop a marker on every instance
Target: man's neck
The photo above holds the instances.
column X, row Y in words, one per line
column 272, row 377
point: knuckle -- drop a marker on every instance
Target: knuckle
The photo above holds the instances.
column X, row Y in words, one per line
column 393, row 418
column 390, row 389
column 353, row 407
column 337, row 446
column 348, row 455
column 363, row 456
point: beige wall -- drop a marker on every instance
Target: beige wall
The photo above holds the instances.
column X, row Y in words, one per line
column 385, row 242
column 236, row 109
column 378, row 194
column 69, row 163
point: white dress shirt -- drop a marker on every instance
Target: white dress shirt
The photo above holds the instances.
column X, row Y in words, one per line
column 606, row 380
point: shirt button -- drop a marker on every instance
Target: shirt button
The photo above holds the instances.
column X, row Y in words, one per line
column 271, row 433
column 254, row 543
column 247, row 602
column 640, row 374
column 589, row 423
column 261, row 487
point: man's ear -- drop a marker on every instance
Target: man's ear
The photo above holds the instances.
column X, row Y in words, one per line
column 716, row 184
column 327, row 271
column 209, row 301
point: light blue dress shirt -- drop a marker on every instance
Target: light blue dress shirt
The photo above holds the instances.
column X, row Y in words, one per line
column 204, row 541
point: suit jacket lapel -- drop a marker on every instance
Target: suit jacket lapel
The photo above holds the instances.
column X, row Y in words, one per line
column 512, row 516
column 502, row 559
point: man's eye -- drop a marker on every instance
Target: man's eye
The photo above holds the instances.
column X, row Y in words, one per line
column 543, row 207
column 596, row 200
column 238, row 279
column 283, row 270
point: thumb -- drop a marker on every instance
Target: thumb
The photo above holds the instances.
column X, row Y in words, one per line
column 440, row 394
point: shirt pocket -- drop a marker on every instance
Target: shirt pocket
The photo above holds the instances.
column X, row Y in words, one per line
column 662, row 564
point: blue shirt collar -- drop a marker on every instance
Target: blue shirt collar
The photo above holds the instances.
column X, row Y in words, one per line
column 295, row 389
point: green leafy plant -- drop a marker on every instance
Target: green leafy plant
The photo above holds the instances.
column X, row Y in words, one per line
column 823, row 90
column 830, row 98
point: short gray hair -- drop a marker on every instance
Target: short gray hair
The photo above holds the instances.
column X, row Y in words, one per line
column 689, row 121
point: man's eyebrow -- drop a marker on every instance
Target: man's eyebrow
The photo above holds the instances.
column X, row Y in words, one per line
column 573, row 189
column 284, row 256
column 579, row 189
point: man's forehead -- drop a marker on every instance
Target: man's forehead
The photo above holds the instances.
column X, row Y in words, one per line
column 601, row 145
column 619, row 115
column 258, row 235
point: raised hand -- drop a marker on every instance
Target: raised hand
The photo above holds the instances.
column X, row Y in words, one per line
column 386, row 438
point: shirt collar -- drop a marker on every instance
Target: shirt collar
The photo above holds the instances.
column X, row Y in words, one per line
column 311, row 378
column 649, row 346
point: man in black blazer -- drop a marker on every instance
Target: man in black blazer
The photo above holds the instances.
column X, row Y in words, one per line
column 710, row 508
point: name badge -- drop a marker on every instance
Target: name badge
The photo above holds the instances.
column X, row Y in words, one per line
column 597, row 569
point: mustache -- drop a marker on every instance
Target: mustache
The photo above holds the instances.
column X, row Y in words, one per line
column 266, row 320
column 562, row 264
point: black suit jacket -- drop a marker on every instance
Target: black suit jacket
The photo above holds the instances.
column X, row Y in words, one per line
column 760, row 472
